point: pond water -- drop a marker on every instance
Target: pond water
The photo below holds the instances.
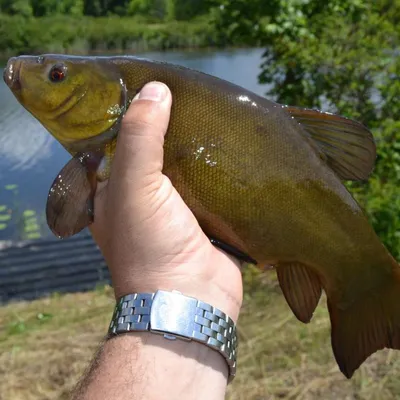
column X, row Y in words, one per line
column 30, row 158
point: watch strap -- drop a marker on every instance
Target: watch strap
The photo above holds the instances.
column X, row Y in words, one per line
column 177, row 317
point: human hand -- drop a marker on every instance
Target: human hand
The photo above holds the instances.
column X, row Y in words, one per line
column 148, row 236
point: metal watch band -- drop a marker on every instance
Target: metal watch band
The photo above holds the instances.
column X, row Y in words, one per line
column 177, row 317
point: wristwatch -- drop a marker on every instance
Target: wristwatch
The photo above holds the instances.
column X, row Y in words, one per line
column 177, row 317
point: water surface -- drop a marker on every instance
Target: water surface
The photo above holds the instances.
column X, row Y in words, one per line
column 30, row 158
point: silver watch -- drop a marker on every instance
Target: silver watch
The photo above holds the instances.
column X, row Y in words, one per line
column 177, row 317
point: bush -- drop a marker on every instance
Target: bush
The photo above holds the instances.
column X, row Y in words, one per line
column 341, row 56
column 19, row 35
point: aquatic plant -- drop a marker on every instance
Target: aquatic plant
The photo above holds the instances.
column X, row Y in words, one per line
column 24, row 223
column 30, row 225
column 6, row 212
column 4, row 216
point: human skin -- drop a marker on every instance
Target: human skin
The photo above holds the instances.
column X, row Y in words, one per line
column 151, row 241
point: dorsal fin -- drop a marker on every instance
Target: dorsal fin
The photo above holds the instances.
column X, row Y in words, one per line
column 348, row 145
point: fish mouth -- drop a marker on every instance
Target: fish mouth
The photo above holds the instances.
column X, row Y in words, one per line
column 70, row 102
column 11, row 74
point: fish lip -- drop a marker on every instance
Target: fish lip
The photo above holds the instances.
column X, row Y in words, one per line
column 11, row 74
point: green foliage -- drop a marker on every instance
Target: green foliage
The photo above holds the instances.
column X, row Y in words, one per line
column 21, row 325
column 16, row 7
column 5, row 211
column 19, row 35
column 79, row 35
column 12, row 186
column 93, row 7
column 31, row 227
column 72, row 7
column 337, row 55
column 172, row 9
column 46, row 7
column 149, row 8
column 5, row 216
column 183, row 10
column 80, row 26
column 380, row 196
column 26, row 223
column 39, row 8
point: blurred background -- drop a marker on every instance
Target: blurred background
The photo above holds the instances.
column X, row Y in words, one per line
column 340, row 56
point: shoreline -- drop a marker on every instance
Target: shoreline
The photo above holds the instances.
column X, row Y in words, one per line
column 85, row 35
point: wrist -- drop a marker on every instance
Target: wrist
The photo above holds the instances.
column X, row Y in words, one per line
column 144, row 365
column 200, row 358
column 177, row 317
column 162, row 362
column 206, row 290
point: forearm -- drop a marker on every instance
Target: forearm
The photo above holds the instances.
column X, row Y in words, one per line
column 152, row 241
column 148, row 366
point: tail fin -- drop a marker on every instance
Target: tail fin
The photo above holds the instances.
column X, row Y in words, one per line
column 368, row 325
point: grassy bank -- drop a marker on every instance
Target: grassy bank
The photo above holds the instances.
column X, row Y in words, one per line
column 46, row 345
column 86, row 34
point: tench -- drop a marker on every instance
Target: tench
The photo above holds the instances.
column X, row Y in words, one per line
column 264, row 181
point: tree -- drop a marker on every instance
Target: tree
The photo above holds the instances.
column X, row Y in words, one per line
column 16, row 7
column 96, row 7
column 50, row 7
column 72, row 7
column 186, row 9
column 149, row 8
column 336, row 55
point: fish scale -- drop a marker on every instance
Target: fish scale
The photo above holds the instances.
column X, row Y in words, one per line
column 265, row 182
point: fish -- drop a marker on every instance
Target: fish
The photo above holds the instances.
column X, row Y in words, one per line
column 264, row 180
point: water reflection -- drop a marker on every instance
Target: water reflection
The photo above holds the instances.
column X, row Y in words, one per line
column 23, row 140
column 31, row 158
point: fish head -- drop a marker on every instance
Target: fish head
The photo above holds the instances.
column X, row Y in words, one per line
column 75, row 98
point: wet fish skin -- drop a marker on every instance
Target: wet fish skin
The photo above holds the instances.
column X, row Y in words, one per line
column 264, row 178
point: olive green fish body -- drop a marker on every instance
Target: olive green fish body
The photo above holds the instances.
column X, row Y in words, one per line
column 259, row 179
column 263, row 178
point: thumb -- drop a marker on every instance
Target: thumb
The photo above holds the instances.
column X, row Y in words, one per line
column 138, row 159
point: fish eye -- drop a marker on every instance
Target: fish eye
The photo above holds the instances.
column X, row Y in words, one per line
column 58, row 73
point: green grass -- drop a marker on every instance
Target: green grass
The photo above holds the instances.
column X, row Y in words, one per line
column 46, row 345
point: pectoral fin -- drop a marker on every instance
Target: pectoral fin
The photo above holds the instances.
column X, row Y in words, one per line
column 301, row 288
column 70, row 201
column 348, row 145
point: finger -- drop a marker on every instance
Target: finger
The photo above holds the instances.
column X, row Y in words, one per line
column 139, row 152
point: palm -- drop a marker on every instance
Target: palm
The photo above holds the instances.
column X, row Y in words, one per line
column 164, row 242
